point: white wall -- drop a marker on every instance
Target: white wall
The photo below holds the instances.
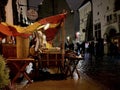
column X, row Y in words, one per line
column 9, row 14
column 101, row 7
column 83, row 12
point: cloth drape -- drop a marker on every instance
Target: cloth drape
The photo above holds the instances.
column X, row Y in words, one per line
column 55, row 23
column 14, row 30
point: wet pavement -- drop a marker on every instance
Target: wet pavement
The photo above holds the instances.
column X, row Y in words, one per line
column 95, row 74
column 104, row 70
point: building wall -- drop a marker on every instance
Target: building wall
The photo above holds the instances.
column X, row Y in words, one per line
column 102, row 9
column 83, row 12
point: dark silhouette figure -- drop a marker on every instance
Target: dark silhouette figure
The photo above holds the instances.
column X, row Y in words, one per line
column 99, row 49
column 113, row 50
column 98, row 53
column 91, row 49
column 69, row 44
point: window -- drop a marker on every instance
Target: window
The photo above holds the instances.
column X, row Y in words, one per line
column 107, row 7
column 119, row 18
column 107, row 18
column 97, row 30
column 111, row 18
column 97, row 13
column 115, row 17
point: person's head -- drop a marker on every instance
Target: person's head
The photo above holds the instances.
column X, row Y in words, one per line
column 77, row 35
column 68, row 38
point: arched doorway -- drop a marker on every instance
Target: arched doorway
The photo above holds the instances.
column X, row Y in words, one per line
column 110, row 33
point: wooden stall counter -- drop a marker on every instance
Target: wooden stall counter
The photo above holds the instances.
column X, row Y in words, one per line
column 72, row 60
column 20, row 64
column 51, row 58
column 9, row 50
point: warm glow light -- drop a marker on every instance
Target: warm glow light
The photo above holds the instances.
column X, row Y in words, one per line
column 68, row 37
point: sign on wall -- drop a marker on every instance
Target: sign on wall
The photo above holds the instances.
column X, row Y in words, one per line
column 32, row 14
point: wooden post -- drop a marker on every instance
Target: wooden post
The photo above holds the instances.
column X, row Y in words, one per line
column 22, row 47
column 63, row 42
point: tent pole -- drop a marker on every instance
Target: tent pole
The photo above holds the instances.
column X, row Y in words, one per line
column 63, row 42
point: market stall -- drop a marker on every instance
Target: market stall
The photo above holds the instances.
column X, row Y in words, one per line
column 22, row 41
column 22, row 34
column 50, row 56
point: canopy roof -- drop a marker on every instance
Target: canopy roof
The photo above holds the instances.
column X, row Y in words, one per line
column 54, row 21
